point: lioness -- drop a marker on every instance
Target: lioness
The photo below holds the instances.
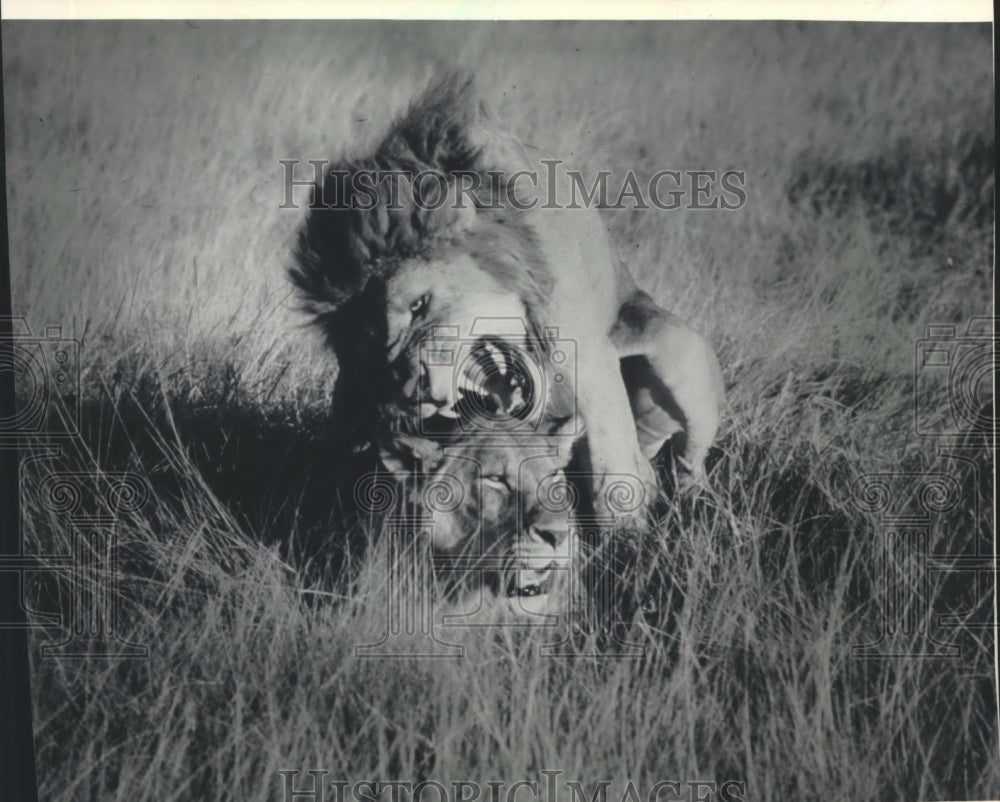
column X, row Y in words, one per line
column 502, row 505
column 397, row 273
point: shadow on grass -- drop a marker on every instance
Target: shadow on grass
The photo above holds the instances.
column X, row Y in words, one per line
column 275, row 469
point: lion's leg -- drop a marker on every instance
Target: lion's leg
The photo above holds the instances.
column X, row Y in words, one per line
column 624, row 481
column 673, row 379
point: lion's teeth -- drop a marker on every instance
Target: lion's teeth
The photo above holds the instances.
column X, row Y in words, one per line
column 447, row 412
column 427, row 410
column 466, row 384
column 499, row 358
column 517, row 402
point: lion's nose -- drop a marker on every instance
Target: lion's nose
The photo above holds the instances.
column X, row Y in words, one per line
column 547, row 527
column 536, row 557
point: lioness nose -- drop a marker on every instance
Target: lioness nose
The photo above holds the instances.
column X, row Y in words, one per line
column 552, row 534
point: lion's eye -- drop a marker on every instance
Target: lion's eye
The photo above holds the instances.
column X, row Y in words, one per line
column 419, row 306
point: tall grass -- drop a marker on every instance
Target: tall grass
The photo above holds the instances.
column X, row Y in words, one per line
column 144, row 186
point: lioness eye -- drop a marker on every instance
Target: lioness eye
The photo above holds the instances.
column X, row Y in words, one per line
column 496, row 481
column 419, row 306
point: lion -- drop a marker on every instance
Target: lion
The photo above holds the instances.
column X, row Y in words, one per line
column 397, row 275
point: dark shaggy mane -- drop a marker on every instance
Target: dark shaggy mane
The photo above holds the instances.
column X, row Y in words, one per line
column 345, row 255
column 435, row 132
column 341, row 249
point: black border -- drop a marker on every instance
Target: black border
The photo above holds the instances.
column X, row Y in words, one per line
column 17, row 748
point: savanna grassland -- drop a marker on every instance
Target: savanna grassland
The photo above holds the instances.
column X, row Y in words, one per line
column 144, row 190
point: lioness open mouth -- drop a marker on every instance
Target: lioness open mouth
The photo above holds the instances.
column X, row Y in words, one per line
column 540, row 583
column 541, row 588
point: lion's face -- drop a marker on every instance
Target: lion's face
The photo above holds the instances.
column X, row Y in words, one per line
column 494, row 497
column 437, row 311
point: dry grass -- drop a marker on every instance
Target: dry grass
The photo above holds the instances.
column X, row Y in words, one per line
column 144, row 185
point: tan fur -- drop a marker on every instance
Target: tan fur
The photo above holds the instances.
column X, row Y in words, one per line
column 502, row 499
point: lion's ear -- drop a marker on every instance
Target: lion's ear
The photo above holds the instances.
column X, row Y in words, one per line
column 404, row 454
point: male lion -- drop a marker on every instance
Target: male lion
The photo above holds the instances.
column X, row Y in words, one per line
column 428, row 246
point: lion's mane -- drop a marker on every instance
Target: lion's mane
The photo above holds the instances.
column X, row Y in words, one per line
column 345, row 254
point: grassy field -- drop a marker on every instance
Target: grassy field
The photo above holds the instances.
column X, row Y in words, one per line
column 144, row 188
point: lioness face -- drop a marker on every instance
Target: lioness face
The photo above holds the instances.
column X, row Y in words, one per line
column 495, row 499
